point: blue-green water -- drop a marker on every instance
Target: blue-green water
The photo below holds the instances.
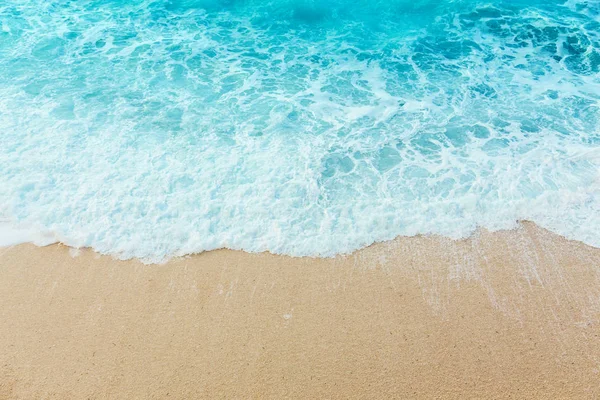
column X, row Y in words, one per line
column 153, row 128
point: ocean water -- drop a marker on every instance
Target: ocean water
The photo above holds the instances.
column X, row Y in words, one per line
column 153, row 128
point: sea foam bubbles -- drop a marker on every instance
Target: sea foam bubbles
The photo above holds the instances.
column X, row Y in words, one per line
column 157, row 128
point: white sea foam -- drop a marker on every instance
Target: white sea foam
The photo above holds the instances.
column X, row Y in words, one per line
column 149, row 131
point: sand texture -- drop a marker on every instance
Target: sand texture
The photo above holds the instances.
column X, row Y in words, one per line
column 511, row 314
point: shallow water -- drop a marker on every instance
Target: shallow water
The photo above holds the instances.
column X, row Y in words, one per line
column 157, row 128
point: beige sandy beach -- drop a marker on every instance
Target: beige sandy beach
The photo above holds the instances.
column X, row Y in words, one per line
column 513, row 314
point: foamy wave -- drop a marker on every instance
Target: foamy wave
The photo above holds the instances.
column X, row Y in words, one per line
column 155, row 129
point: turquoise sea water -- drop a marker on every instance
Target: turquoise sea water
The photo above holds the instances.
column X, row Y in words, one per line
column 152, row 128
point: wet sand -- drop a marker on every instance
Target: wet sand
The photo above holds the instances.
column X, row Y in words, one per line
column 511, row 314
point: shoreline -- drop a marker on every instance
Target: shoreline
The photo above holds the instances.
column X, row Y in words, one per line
column 11, row 236
column 502, row 314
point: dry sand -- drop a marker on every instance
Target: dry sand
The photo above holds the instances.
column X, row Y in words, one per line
column 501, row 315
